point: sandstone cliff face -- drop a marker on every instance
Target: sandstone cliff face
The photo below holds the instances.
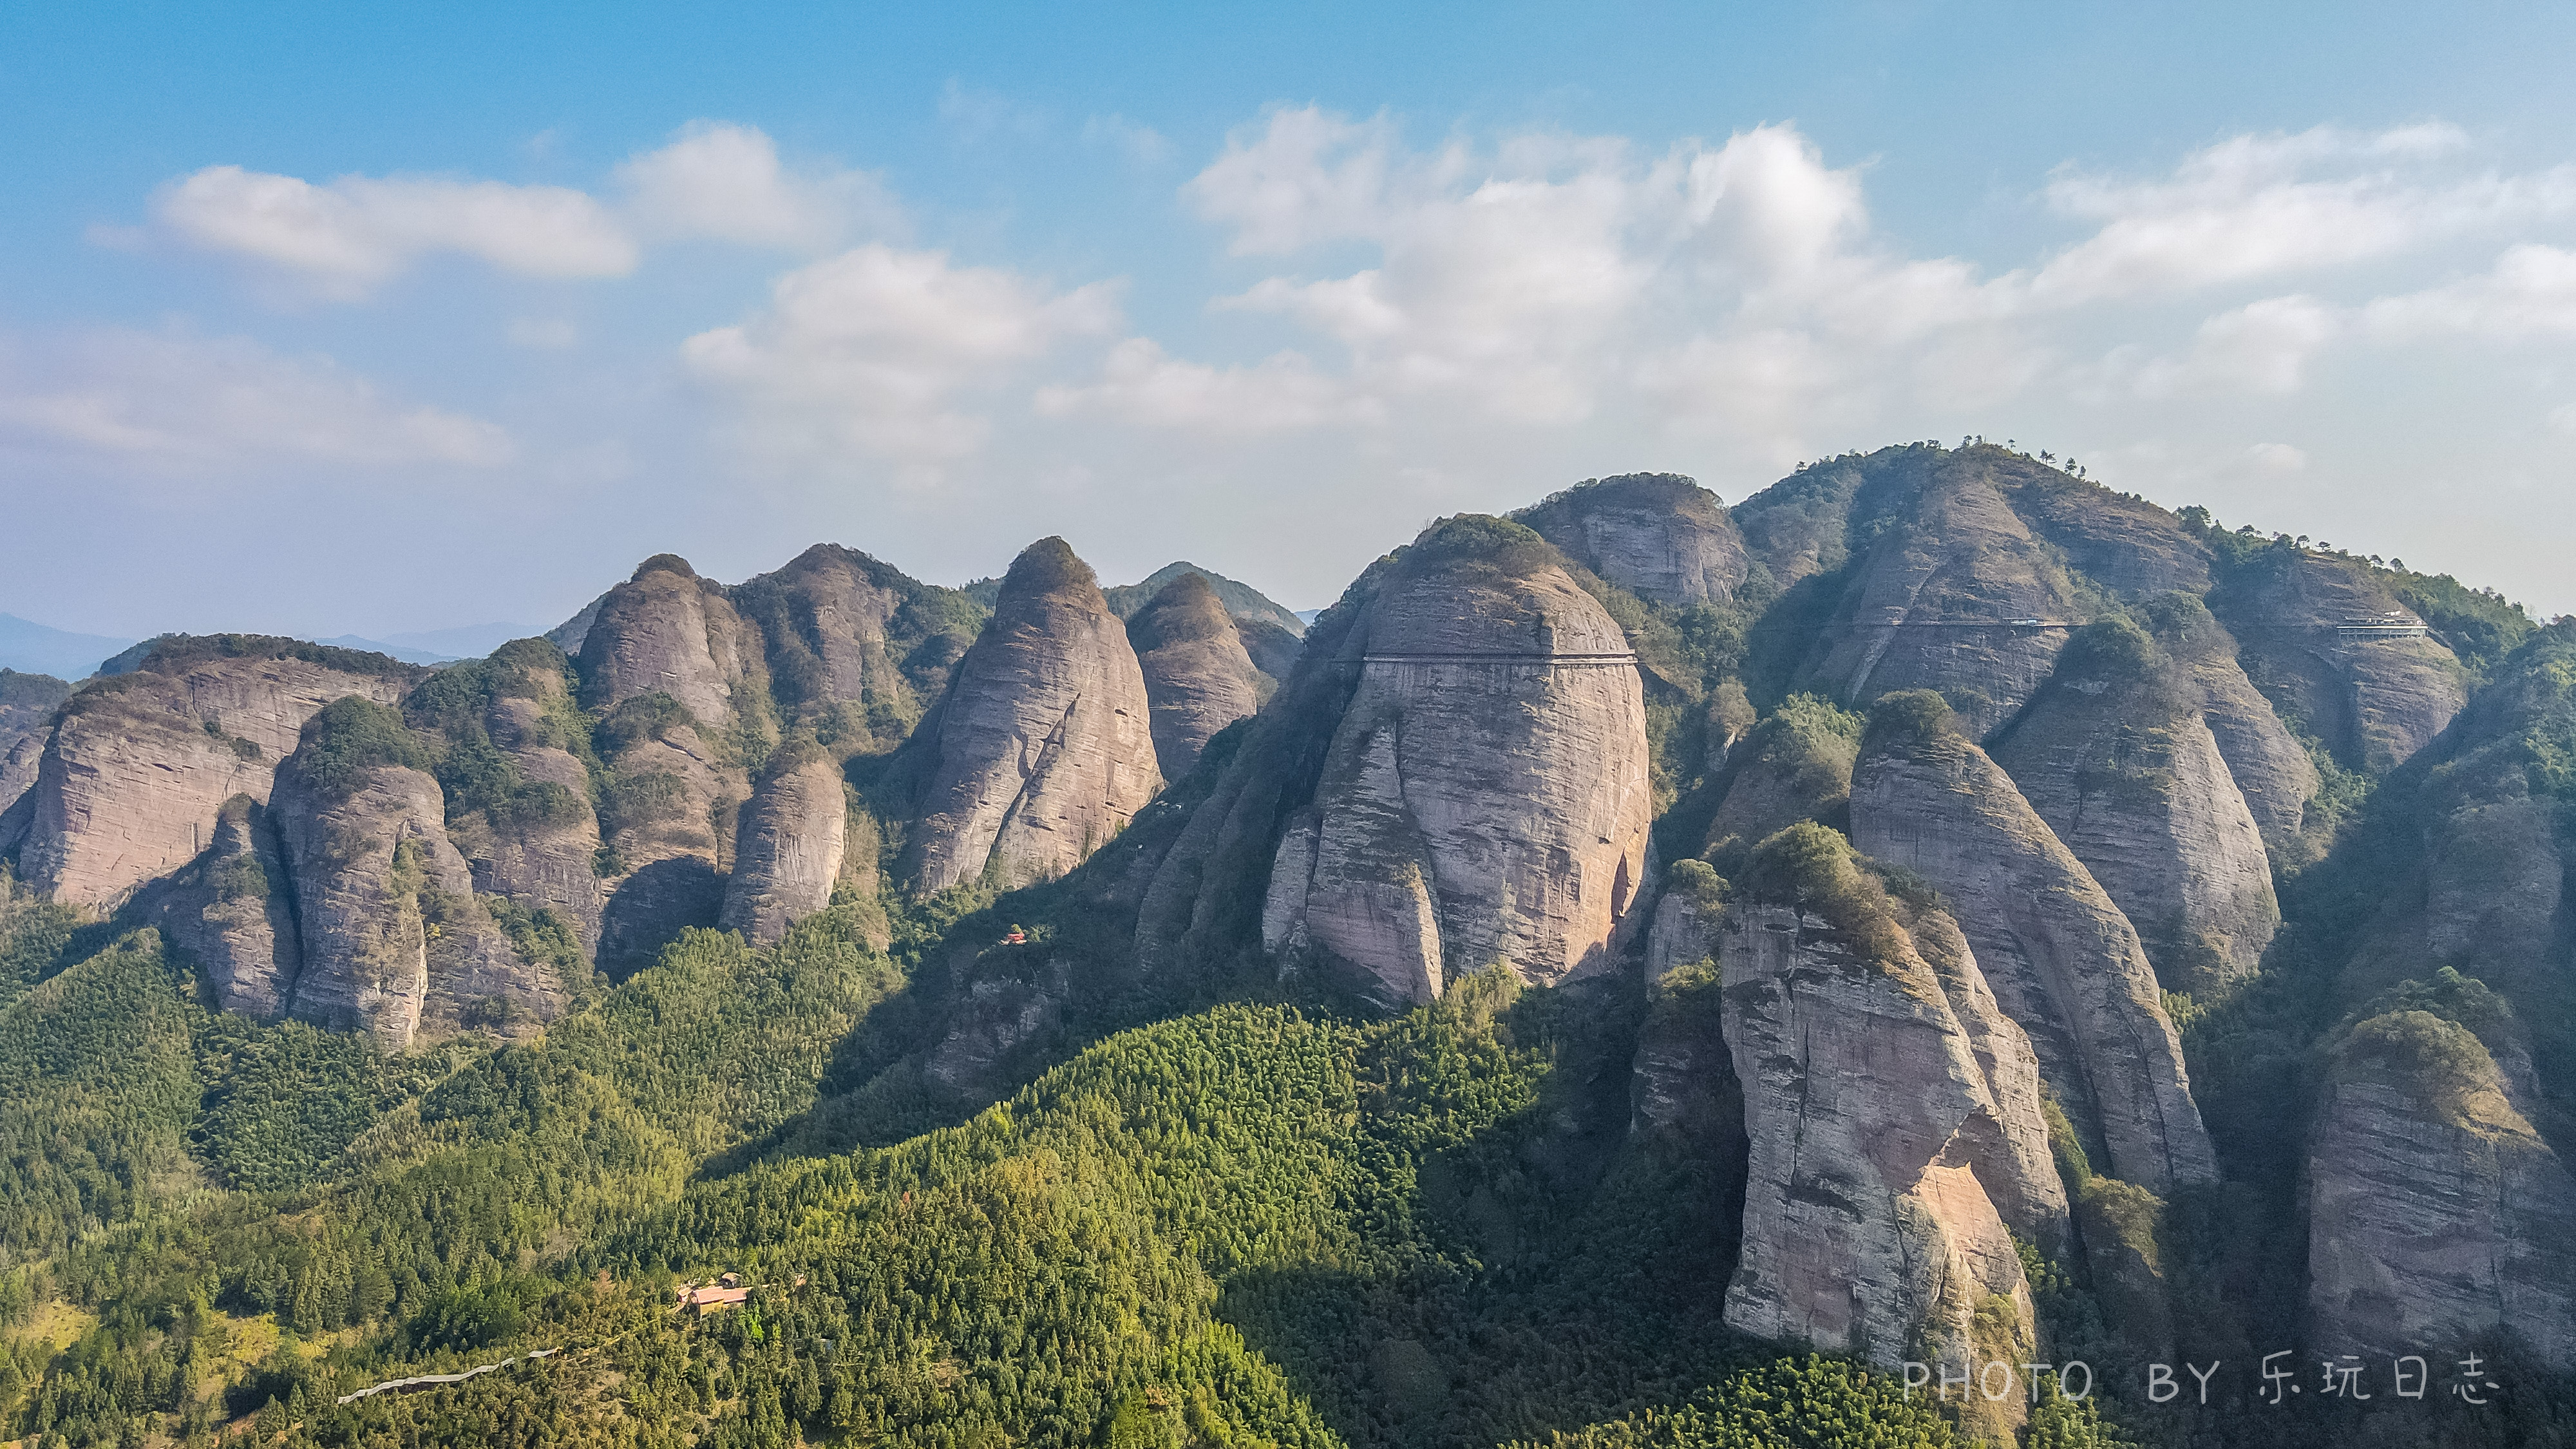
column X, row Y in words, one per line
column 230, row 910
column 2373, row 701
column 1198, row 677
column 668, row 631
column 393, row 941
column 2117, row 756
column 1932, row 605
column 671, row 818
column 2127, row 545
column 793, row 836
column 1484, row 798
column 2062, row 960
column 532, row 836
column 18, row 777
column 27, row 705
column 132, row 779
column 1866, row 1227
column 1659, row 535
column 2436, row 1212
column 855, row 648
column 1273, row 649
column 1041, row 751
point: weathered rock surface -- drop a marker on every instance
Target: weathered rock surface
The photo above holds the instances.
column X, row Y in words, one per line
column 1867, row 1228
column 667, row 631
column 2436, row 1212
column 856, row 648
column 231, row 910
column 1041, row 750
column 671, row 818
column 27, row 705
column 1934, row 603
column 2127, row 545
column 2116, row 754
column 394, row 943
column 17, row 778
column 1274, row 650
column 536, row 839
column 2062, row 960
column 1484, row 798
column 1659, row 535
column 134, row 774
column 792, row 842
column 1198, row 677
column 2373, row 701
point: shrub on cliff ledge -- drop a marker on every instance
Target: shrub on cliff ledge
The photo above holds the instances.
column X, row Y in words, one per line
column 348, row 739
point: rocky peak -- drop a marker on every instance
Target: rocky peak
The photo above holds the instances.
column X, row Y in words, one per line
column 2116, row 753
column 232, row 910
column 517, row 796
column 2306, row 620
column 140, row 763
column 1484, row 795
column 393, row 941
column 1795, row 765
column 793, row 834
column 1041, row 750
column 1659, row 535
column 2063, row 961
column 2436, row 1212
column 667, row 631
column 1874, row 1126
column 1197, row 673
column 1956, row 595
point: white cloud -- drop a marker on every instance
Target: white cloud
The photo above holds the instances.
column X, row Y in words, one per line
column 351, row 234
column 2530, row 292
column 2262, row 347
column 2259, row 206
column 177, row 402
column 880, row 351
column 1139, row 384
column 724, row 181
column 2562, row 420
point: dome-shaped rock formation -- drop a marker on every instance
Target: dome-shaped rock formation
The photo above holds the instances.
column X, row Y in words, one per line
column 1659, row 535
column 1873, row 1223
column 2306, row 622
column 140, row 764
column 1041, row 751
column 1484, row 798
column 394, row 943
column 2117, row 755
column 2062, row 960
column 1198, row 677
column 667, row 631
column 793, row 835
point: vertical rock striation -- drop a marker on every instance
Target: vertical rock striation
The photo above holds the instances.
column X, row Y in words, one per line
column 2117, row 756
column 1041, row 750
column 140, row 763
column 1659, row 535
column 2063, row 961
column 667, row 631
column 793, row 837
column 2436, row 1212
column 1484, row 798
column 2373, row 700
column 1938, row 602
column 393, row 941
column 1873, row 1223
column 1198, row 677
column 231, row 910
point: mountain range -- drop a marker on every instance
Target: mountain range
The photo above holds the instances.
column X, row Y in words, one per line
column 1634, row 971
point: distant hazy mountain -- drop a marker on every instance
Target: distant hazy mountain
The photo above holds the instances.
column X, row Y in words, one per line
column 388, row 646
column 33, row 648
column 465, row 641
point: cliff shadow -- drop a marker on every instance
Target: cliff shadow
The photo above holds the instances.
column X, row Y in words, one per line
column 651, row 908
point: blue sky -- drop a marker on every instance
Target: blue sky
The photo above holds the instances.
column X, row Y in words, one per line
column 320, row 322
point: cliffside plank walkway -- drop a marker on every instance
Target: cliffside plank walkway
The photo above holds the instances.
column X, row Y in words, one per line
column 440, row 1381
